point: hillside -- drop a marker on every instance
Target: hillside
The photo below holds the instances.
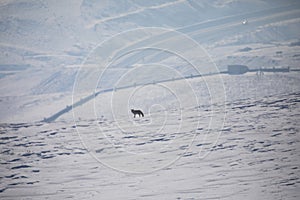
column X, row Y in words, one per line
column 72, row 70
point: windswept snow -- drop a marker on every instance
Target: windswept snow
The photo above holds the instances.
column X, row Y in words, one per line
column 205, row 134
column 137, row 11
column 256, row 157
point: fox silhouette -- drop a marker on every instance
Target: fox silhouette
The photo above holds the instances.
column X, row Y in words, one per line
column 137, row 112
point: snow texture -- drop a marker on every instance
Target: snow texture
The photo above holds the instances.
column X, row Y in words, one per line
column 71, row 71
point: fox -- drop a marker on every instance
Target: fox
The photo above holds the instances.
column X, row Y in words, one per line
column 137, row 112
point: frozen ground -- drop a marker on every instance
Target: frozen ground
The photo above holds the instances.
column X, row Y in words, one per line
column 255, row 155
column 210, row 137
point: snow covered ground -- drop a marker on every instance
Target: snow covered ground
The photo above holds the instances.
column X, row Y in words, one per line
column 173, row 153
column 212, row 137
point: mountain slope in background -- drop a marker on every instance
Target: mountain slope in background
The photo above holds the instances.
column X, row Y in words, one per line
column 46, row 36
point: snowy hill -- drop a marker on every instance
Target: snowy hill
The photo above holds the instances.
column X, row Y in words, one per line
column 255, row 155
column 43, row 35
column 71, row 71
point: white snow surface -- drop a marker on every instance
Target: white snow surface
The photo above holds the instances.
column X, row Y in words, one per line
column 214, row 136
column 254, row 156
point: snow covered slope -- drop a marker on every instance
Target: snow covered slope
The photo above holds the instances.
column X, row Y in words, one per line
column 255, row 157
column 47, row 37
column 205, row 135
